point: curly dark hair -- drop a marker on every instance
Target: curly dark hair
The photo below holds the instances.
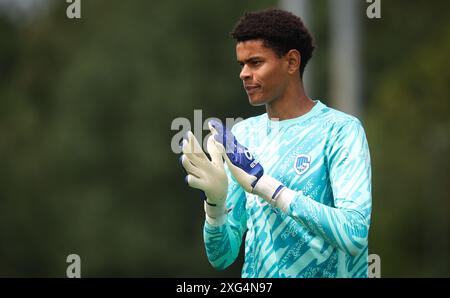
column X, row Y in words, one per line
column 280, row 31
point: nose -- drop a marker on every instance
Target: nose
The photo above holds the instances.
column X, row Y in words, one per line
column 245, row 73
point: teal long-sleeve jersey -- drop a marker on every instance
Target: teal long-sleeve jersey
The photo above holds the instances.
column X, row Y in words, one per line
column 324, row 157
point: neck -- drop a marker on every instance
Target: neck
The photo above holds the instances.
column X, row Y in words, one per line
column 293, row 103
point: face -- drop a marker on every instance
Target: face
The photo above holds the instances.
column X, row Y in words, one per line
column 264, row 74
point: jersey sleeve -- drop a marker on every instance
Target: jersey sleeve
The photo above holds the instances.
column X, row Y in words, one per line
column 223, row 242
column 346, row 224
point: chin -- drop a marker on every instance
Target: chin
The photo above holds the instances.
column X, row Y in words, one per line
column 256, row 101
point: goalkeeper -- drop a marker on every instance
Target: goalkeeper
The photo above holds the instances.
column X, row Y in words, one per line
column 296, row 181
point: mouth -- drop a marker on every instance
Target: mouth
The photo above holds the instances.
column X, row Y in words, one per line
column 252, row 89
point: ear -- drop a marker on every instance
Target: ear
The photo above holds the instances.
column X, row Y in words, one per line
column 294, row 60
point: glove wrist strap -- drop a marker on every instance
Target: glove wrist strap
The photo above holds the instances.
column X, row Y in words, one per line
column 274, row 192
column 215, row 215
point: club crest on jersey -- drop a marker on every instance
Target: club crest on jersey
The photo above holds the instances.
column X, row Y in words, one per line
column 302, row 163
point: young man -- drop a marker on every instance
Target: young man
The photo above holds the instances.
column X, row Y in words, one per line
column 297, row 179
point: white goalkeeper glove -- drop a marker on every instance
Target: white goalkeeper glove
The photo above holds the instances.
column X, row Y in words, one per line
column 206, row 175
column 247, row 170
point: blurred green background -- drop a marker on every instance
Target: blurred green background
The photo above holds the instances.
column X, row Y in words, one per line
column 86, row 107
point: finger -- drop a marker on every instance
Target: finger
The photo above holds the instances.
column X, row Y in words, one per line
column 215, row 152
column 222, row 134
column 186, row 145
column 212, row 127
column 195, row 147
column 188, row 150
column 216, row 128
column 243, row 178
column 189, row 166
column 225, row 156
column 194, row 182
